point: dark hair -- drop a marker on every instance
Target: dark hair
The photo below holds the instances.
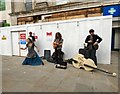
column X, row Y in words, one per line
column 58, row 35
column 30, row 32
column 91, row 30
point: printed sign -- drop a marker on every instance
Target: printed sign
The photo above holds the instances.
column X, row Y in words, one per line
column 3, row 37
column 49, row 36
column 22, row 36
column 113, row 10
column 22, row 41
column 49, row 33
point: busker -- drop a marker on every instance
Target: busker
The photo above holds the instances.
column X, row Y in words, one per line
column 91, row 43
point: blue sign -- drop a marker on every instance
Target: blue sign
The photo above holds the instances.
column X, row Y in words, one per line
column 113, row 10
column 22, row 41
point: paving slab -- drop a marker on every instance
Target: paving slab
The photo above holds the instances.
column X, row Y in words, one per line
column 24, row 78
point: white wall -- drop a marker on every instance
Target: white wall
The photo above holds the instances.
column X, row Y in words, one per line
column 5, row 44
column 74, row 33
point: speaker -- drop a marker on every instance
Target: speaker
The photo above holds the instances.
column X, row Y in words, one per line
column 47, row 54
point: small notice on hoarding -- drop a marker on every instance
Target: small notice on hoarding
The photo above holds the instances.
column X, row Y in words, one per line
column 3, row 37
column 49, row 36
column 22, row 36
column 22, row 41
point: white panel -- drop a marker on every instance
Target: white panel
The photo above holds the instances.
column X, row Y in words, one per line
column 15, row 44
column 18, row 28
column 104, row 52
column 74, row 35
column 43, row 42
column 37, row 31
column 70, row 33
column 46, row 41
column 104, row 31
column 23, row 52
column 6, row 44
column 83, row 31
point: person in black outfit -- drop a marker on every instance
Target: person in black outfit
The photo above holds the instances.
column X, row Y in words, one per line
column 91, row 42
column 57, row 45
column 33, row 37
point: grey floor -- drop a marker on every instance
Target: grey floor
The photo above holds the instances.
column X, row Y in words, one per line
column 19, row 78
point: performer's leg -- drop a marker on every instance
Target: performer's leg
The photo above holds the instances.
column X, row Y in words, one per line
column 59, row 56
column 93, row 56
column 56, row 56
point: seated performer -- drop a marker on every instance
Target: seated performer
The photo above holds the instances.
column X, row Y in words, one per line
column 32, row 57
column 57, row 45
column 92, row 41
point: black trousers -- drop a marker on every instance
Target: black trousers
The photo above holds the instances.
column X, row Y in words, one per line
column 58, row 56
column 91, row 53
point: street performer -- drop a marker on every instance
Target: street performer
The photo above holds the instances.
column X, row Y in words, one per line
column 91, row 43
column 57, row 45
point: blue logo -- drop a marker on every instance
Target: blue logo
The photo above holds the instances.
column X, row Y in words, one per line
column 22, row 41
column 113, row 10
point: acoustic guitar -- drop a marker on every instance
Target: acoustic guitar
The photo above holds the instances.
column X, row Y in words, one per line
column 96, row 46
column 88, row 64
column 55, row 45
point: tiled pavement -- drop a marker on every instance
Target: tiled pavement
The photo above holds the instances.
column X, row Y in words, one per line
column 19, row 78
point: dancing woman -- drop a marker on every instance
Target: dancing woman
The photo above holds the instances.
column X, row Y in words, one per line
column 32, row 57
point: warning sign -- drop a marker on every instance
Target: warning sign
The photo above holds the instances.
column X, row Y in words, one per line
column 22, row 36
column 4, row 38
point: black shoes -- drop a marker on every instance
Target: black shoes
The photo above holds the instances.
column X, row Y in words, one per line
column 61, row 67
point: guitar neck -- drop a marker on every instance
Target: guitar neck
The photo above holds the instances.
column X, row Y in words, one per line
column 98, row 69
column 95, row 68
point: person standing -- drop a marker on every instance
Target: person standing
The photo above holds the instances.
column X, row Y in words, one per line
column 57, row 45
column 32, row 57
column 91, row 42
column 33, row 37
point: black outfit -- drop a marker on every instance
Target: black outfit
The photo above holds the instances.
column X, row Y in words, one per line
column 33, row 37
column 58, row 52
column 91, row 51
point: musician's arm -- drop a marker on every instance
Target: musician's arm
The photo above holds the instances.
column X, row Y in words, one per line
column 24, row 48
column 99, row 39
column 87, row 39
column 36, row 47
column 61, row 43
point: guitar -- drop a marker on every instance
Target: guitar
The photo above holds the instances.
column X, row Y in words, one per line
column 55, row 45
column 96, row 46
column 88, row 64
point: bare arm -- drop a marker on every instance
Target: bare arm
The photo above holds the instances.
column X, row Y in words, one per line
column 23, row 48
column 36, row 47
